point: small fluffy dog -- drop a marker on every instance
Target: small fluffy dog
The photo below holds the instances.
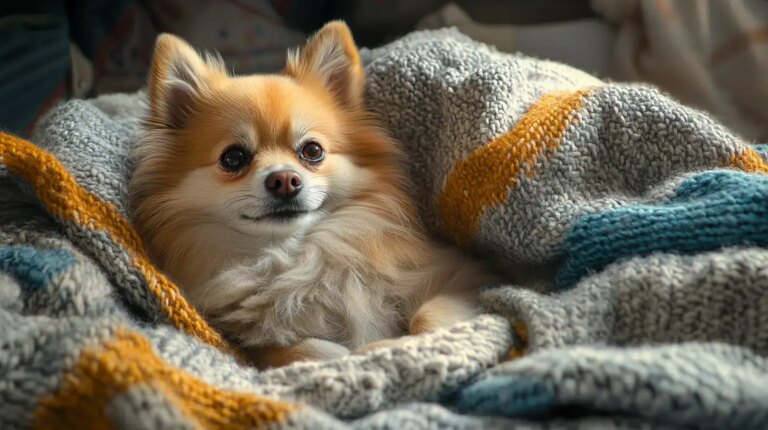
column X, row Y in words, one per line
column 279, row 206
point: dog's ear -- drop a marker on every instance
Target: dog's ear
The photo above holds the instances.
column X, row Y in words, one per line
column 330, row 57
column 177, row 77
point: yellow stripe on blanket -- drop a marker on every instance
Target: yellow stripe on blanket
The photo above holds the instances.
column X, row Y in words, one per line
column 66, row 200
column 484, row 178
column 521, row 330
column 750, row 162
column 105, row 372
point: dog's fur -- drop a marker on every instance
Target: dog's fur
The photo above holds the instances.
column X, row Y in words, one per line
column 353, row 269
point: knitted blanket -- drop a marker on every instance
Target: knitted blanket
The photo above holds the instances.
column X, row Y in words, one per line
column 632, row 229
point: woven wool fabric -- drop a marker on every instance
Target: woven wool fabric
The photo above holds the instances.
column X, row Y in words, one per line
column 632, row 228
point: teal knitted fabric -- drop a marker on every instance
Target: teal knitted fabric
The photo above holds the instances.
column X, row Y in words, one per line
column 708, row 211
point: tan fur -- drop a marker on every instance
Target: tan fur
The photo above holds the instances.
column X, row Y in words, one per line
column 355, row 270
column 306, row 349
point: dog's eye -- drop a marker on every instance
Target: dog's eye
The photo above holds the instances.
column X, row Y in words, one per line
column 312, row 152
column 234, row 158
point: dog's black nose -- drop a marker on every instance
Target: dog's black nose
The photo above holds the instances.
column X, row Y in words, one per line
column 283, row 184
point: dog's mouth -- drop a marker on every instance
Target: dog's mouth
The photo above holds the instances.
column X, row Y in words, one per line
column 282, row 216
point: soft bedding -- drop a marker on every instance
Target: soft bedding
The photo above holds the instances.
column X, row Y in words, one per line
column 632, row 230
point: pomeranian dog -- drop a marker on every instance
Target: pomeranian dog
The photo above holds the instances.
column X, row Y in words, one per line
column 280, row 207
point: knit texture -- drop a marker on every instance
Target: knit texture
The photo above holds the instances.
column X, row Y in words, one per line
column 632, row 230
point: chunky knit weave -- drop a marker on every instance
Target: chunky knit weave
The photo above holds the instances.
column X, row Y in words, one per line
column 633, row 230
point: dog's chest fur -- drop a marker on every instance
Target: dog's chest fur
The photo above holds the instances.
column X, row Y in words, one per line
column 299, row 289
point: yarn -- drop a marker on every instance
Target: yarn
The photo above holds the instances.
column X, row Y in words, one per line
column 648, row 215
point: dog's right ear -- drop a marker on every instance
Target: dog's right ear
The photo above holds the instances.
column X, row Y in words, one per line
column 177, row 77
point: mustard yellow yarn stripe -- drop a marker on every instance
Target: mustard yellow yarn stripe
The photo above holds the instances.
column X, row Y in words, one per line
column 484, row 178
column 106, row 371
column 65, row 199
column 749, row 161
column 521, row 330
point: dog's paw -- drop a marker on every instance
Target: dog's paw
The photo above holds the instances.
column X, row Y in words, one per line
column 381, row 344
column 319, row 349
column 311, row 349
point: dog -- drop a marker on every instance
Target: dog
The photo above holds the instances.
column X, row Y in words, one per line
column 281, row 208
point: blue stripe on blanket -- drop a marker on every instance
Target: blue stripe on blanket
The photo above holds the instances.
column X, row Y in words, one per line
column 762, row 149
column 709, row 211
column 509, row 396
column 34, row 268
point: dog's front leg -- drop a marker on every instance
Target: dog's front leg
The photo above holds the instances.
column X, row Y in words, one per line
column 310, row 349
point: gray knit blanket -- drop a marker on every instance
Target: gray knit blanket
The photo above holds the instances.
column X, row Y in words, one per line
column 633, row 232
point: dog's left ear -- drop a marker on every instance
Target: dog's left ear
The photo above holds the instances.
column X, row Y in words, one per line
column 330, row 57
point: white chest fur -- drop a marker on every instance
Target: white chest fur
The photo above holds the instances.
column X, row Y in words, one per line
column 300, row 290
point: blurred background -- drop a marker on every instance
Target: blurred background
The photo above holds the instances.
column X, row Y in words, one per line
column 710, row 54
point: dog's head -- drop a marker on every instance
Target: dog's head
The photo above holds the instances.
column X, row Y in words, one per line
column 260, row 155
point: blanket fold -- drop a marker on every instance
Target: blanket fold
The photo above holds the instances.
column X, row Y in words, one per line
column 644, row 221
